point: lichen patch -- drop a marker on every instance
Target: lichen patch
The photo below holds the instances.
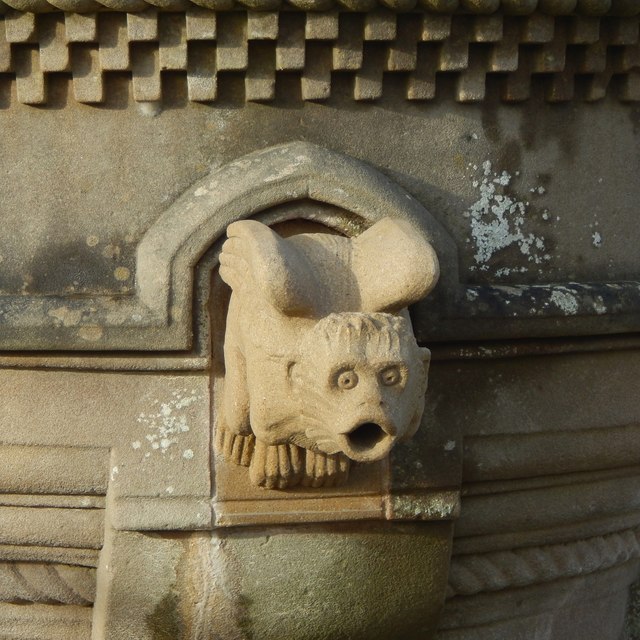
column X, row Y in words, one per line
column 596, row 239
column 166, row 423
column 565, row 301
column 65, row 316
column 498, row 220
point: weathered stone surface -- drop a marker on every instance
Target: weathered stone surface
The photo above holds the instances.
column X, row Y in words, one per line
column 334, row 577
column 118, row 519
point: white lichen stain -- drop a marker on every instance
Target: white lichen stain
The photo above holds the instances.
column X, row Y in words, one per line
column 114, row 473
column 565, row 301
column 65, row 316
column 91, row 333
column 168, row 422
column 596, row 239
column 599, row 306
column 187, row 454
column 169, row 490
column 200, row 191
column 27, row 281
column 121, row 274
column 111, row 251
column 505, row 271
column 433, row 507
column 498, row 219
column 136, row 445
column 450, row 445
column 150, row 109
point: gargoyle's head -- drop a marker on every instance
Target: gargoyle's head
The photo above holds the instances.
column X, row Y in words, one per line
column 360, row 382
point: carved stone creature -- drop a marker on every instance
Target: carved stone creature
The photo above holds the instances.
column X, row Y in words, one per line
column 321, row 364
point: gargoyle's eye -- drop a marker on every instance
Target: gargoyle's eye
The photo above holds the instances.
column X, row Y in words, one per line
column 390, row 376
column 347, row 380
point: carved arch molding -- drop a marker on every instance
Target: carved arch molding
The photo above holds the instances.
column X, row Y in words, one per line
column 159, row 315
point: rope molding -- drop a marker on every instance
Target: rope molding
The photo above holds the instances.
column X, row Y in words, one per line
column 468, row 575
column 515, row 7
column 47, row 583
column 474, row 574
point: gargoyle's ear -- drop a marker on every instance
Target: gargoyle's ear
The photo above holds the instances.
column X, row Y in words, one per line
column 394, row 264
column 257, row 260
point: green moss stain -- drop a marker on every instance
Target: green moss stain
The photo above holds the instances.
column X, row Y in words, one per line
column 165, row 623
column 632, row 623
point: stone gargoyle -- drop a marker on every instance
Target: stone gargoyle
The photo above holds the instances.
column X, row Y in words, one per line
column 321, row 364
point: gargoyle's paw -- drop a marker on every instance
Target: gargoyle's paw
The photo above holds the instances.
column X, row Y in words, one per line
column 219, row 439
column 248, row 238
column 311, row 468
column 296, row 457
column 276, row 466
column 242, row 449
column 337, row 470
column 235, row 448
column 248, row 230
column 224, row 441
column 323, row 470
column 234, row 269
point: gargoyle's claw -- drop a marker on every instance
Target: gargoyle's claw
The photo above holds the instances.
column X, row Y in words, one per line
column 235, row 448
column 325, row 470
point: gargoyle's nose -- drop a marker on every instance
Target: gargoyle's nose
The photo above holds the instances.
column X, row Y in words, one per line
column 367, row 442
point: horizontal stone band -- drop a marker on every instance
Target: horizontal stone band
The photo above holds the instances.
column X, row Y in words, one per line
column 515, row 7
column 471, row 574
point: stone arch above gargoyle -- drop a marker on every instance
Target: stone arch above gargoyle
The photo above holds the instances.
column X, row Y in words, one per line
column 158, row 314
column 254, row 183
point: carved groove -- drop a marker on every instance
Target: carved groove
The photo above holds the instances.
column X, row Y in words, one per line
column 580, row 56
column 46, row 583
column 522, row 567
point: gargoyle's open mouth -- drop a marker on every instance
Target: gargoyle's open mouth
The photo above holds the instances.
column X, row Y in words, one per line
column 366, row 436
column 367, row 442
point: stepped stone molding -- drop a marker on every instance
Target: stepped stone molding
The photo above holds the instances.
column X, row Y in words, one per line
column 582, row 56
column 473, row 574
column 482, row 7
